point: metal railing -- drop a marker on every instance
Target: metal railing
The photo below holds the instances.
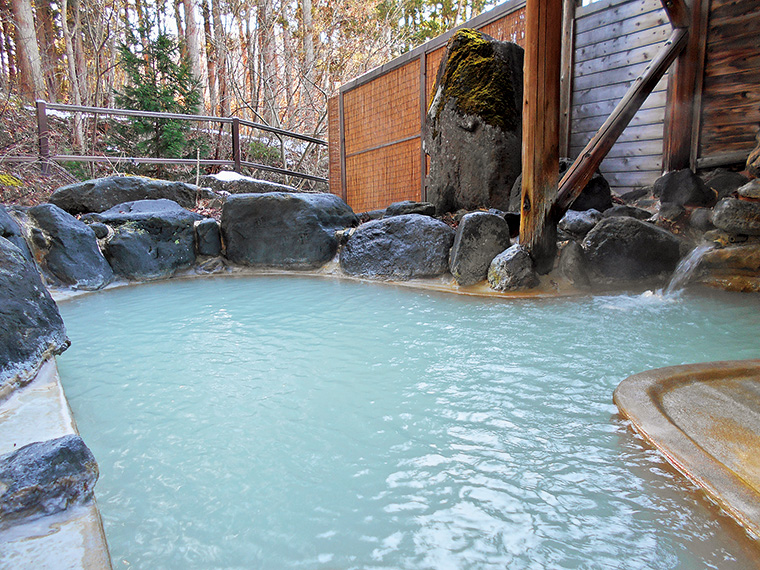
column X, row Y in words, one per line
column 45, row 158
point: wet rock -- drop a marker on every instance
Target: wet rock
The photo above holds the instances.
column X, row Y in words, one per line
column 284, row 230
column 101, row 194
column 473, row 131
column 750, row 191
column 152, row 239
column 10, row 230
column 634, row 194
column 100, row 230
column 701, row 219
column 753, row 161
column 72, row 255
column 683, row 187
column 572, row 265
column 46, row 477
column 410, row 207
column 512, row 270
column 479, row 238
column 628, row 249
column 737, row 216
column 575, row 225
column 734, row 268
column 32, row 329
column 670, row 212
column 400, row 247
column 208, row 237
column 725, row 182
column 622, row 210
column 596, row 195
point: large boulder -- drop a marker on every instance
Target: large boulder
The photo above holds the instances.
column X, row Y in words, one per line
column 734, row 268
column 575, row 225
column 72, row 255
column 623, row 248
column 473, row 131
column 278, row 229
column 410, row 207
column 622, row 210
column 479, row 238
column 46, row 477
column 101, row 194
column 683, row 187
column 10, row 230
column 595, row 195
column 724, row 182
column 32, row 329
column 737, row 216
column 512, row 270
column 152, row 239
column 400, row 247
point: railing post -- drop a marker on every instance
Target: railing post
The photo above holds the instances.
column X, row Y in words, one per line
column 43, row 137
column 236, row 144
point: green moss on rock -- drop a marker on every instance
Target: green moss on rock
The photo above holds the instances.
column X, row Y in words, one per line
column 477, row 81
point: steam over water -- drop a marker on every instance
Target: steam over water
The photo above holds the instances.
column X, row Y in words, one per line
column 282, row 423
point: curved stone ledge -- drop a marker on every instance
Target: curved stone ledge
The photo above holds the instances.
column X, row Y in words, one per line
column 705, row 420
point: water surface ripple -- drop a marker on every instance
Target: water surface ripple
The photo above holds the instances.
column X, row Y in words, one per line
column 300, row 423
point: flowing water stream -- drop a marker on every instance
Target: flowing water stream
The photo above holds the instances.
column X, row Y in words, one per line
column 282, row 423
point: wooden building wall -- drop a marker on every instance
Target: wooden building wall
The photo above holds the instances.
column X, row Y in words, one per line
column 614, row 42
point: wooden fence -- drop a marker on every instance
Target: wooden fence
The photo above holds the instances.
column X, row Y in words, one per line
column 236, row 160
column 376, row 120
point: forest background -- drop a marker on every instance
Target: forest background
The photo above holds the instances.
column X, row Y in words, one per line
column 270, row 61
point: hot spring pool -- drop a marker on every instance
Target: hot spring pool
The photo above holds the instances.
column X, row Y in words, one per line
column 278, row 422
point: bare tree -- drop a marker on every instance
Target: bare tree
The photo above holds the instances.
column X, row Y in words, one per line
column 31, row 81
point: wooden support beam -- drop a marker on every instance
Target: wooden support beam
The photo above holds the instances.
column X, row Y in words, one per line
column 540, row 137
column 684, row 95
column 581, row 171
column 678, row 13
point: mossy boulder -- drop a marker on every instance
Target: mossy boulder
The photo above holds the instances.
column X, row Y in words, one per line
column 473, row 132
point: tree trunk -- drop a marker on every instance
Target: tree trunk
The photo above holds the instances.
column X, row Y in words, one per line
column 267, row 63
column 31, row 82
column 73, row 78
column 220, row 55
column 9, row 67
column 192, row 38
column 46, row 40
column 79, row 53
column 210, row 57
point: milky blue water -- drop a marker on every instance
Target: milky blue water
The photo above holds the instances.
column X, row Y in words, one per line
column 315, row 424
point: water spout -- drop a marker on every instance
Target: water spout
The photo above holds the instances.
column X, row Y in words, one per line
column 686, row 268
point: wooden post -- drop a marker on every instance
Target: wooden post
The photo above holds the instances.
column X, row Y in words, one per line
column 342, row 130
column 540, row 138
column 684, row 95
column 43, row 137
column 566, row 76
column 236, row 144
column 423, row 120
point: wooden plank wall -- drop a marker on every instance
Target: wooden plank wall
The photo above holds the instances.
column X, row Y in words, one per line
column 614, row 42
column 730, row 116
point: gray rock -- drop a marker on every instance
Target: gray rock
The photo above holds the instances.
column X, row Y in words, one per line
column 152, row 239
column 208, row 237
column 750, row 190
column 10, row 230
column 284, row 230
column 46, row 477
column 99, row 229
column 371, row 215
column 701, row 219
column 670, row 211
column 473, row 131
column 596, row 194
column 479, row 238
column 572, row 265
column 725, row 182
column 575, row 224
column 683, row 187
column 410, row 207
column 400, row 247
column 737, row 216
column 243, row 185
column 101, row 194
column 628, row 249
column 72, row 257
column 621, row 210
column 32, row 329
column 512, row 270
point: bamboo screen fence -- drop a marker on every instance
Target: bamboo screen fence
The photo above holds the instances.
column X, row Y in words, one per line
column 376, row 121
